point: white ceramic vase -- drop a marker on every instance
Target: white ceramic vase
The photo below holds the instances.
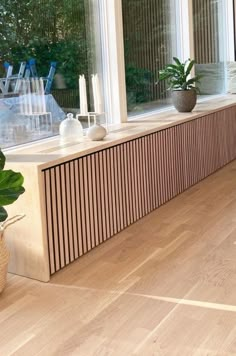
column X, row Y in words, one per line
column 96, row 132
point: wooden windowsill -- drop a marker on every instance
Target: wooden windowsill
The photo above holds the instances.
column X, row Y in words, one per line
column 43, row 154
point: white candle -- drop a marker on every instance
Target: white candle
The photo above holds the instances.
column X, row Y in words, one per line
column 85, row 102
column 99, row 108
column 97, row 94
column 83, row 95
column 94, row 92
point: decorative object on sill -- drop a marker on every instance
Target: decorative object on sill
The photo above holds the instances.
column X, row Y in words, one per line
column 70, row 128
column 184, row 91
column 33, row 107
column 96, row 132
column 11, row 187
column 97, row 98
column 83, row 96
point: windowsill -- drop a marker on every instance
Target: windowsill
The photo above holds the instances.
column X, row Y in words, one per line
column 52, row 151
column 155, row 113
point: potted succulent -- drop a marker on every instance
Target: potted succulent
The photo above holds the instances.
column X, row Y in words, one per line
column 10, row 189
column 183, row 88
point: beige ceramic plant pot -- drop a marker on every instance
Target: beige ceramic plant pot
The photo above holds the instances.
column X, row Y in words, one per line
column 184, row 100
column 4, row 259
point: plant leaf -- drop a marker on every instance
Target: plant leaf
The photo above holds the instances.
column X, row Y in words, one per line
column 192, row 80
column 2, row 160
column 177, row 74
column 177, row 61
column 3, row 214
column 10, row 186
column 189, row 67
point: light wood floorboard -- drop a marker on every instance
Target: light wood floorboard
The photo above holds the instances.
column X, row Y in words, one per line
column 166, row 286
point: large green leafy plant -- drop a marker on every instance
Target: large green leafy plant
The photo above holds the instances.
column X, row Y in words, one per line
column 11, row 187
column 177, row 75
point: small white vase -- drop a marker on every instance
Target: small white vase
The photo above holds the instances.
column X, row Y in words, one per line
column 70, row 129
column 96, row 132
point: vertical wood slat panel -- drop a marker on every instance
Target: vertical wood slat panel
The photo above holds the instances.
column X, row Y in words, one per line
column 98, row 190
column 49, row 221
column 90, row 199
column 78, row 208
column 69, row 212
column 60, row 217
column 110, row 211
column 82, row 205
column 54, row 221
column 64, row 215
column 126, row 183
column 86, row 203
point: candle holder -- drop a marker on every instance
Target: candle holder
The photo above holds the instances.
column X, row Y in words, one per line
column 95, row 132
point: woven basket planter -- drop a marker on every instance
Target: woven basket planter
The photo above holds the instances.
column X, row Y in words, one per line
column 4, row 258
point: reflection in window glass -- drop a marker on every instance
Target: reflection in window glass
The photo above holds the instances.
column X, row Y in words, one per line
column 150, row 43
column 208, row 22
column 45, row 47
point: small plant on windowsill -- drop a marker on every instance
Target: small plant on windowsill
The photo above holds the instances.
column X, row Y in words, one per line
column 183, row 87
column 11, row 187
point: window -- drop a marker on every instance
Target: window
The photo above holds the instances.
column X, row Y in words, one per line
column 150, row 42
column 209, row 44
column 157, row 30
column 45, row 47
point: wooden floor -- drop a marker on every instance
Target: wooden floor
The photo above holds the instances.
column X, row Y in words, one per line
column 164, row 286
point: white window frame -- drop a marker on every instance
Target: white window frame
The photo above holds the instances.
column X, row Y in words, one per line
column 230, row 43
column 113, row 60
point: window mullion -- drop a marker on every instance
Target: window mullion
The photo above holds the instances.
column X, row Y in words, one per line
column 230, row 30
column 186, row 28
column 113, row 60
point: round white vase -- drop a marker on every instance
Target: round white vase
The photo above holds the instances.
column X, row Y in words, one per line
column 96, row 132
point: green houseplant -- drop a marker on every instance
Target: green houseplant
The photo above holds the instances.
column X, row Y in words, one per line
column 11, row 187
column 183, row 87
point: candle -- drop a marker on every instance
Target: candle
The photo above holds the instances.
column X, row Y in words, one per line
column 99, row 109
column 94, row 92
column 97, row 98
column 83, row 95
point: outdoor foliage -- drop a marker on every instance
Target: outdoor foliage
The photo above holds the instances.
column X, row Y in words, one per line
column 53, row 30
column 148, row 35
column 138, row 85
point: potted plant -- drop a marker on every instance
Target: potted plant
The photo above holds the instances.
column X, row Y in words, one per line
column 182, row 86
column 10, row 189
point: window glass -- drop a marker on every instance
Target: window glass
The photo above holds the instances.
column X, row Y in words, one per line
column 150, row 43
column 45, row 46
column 209, row 42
